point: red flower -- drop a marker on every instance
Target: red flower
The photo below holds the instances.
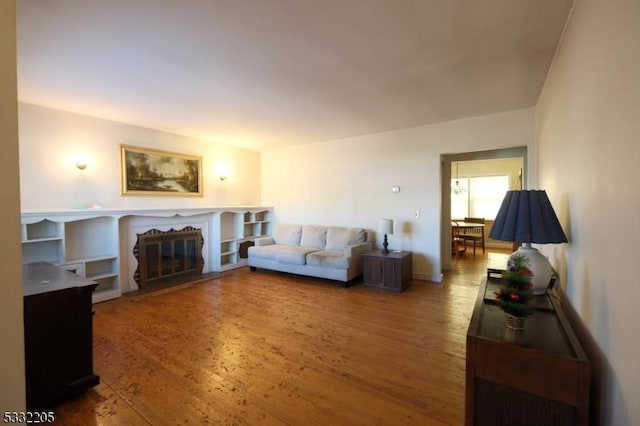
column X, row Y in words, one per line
column 515, row 296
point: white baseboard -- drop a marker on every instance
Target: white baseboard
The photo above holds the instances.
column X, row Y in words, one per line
column 435, row 278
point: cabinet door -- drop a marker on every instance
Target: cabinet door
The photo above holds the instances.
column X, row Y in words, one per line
column 373, row 271
column 392, row 273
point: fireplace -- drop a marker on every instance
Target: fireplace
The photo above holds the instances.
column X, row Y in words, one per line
column 163, row 255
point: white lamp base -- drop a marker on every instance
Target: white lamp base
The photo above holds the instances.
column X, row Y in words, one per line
column 539, row 265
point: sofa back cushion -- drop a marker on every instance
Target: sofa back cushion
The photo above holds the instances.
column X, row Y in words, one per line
column 314, row 236
column 338, row 237
column 288, row 235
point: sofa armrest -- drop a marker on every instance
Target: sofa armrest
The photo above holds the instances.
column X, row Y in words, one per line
column 357, row 250
column 264, row 241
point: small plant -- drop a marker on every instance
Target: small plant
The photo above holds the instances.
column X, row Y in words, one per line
column 516, row 295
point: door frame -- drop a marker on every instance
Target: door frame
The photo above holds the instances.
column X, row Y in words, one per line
column 445, row 190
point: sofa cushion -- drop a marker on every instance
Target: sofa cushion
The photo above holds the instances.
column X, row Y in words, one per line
column 328, row 259
column 294, row 255
column 314, row 236
column 266, row 252
column 338, row 237
column 288, row 235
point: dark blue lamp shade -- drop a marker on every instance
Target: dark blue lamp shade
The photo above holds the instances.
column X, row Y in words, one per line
column 527, row 216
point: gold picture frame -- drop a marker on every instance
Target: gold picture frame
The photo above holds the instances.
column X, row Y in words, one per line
column 146, row 171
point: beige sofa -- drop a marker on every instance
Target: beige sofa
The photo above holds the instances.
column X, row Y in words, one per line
column 330, row 252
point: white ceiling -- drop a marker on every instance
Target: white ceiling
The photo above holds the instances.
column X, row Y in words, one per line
column 262, row 73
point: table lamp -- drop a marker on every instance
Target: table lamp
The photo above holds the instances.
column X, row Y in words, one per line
column 526, row 216
column 386, row 227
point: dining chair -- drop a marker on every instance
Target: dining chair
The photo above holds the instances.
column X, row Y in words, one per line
column 475, row 235
column 458, row 246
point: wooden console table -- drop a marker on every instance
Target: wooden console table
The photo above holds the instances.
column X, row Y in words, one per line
column 58, row 334
column 535, row 377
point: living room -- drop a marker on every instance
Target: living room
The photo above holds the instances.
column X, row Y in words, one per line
column 580, row 137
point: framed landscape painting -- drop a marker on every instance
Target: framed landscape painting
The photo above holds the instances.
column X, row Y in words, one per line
column 148, row 171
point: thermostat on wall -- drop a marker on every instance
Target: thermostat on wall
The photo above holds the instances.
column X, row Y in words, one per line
column 395, row 189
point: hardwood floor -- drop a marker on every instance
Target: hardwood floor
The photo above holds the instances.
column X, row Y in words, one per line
column 270, row 348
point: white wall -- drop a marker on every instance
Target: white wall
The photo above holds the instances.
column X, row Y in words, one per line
column 49, row 140
column 348, row 182
column 588, row 130
column 498, row 166
column 12, row 384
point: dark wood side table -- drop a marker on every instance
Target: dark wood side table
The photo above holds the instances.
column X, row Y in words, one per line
column 535, row 377
column 391, row 271
column 58, row 334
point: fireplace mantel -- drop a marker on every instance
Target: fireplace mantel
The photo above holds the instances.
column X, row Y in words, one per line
column 97, row 242
column 63, row 215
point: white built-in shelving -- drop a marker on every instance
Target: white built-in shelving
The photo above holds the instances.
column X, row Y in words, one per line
column 86, row 246
column 43, row 241
column 238, row 231
column 92, row 243
column 91, row 246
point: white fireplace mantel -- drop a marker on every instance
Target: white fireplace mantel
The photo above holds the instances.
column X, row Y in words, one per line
column 65, row 215
column 97, row 242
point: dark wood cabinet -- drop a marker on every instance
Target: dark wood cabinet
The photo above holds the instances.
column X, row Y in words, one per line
column 391, row 271
column 538, row 376
column 58, row 331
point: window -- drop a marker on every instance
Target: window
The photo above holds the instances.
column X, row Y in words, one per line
column 460, row 199
column 481, row 197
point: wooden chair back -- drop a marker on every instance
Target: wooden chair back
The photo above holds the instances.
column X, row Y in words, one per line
column 457, row 243
column 474, row 219
column 479, row 230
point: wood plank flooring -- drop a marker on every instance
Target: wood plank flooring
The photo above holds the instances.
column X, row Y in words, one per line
column 267, row 348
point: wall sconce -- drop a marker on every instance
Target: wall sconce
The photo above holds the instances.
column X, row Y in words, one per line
column 81, row 161
column 222, row 170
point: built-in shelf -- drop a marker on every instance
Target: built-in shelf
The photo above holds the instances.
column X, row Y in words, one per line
column 238, row 230
column 43, row 241
column 93, row 242
column 40, row 240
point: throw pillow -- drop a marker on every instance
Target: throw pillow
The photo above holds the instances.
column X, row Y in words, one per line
column 288, row 235
column 314, row 236
column 338, row 237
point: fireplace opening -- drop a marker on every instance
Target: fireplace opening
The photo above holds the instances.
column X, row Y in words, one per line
column 166, row 254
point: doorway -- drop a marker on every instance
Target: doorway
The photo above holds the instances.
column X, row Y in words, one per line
column 472, row 165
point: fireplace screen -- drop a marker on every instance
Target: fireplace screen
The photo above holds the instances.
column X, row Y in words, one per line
column 164, row 254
